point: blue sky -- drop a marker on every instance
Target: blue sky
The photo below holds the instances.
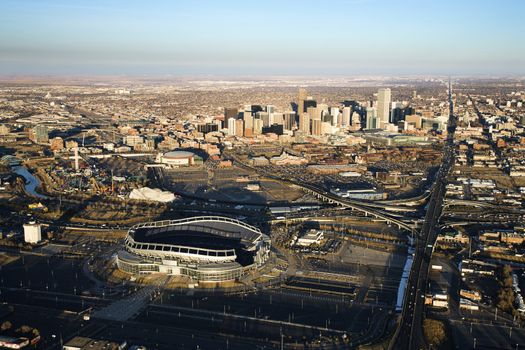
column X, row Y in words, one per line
column 264, row 37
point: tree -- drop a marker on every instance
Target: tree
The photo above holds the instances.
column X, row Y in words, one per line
column 434, row 331
column 506, row 295
column 6, row 325
column 24, row 329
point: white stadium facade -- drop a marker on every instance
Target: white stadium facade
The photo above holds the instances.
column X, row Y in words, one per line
column 204, row 248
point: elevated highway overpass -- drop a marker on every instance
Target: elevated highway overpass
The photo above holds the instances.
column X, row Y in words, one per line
column 372, row 209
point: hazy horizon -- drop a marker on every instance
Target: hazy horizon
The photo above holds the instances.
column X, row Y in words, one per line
column 236, row 38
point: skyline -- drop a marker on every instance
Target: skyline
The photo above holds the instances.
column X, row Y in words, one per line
column 306, row 38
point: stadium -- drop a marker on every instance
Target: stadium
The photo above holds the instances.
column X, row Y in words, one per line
column 204, row 248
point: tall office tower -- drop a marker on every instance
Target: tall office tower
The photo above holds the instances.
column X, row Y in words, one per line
column 231, row 126
column 304, row 123
column 289, row 120
column 230, row 113
column 239, row 127
column 372, row 119
column 248, row 123
column 277, row 118
column 334, row 112
column 303, row 94
column 314, row 113
column 265, row 117
column 356, row 119
column 397, row 115
column 316, row 127
column 347, row 112
column 383, row 106
column 327, row 117
column 257, row 126
column 323, row 109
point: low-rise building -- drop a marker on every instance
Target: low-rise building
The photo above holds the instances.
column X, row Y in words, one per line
column 310, row 238
column 32, row 232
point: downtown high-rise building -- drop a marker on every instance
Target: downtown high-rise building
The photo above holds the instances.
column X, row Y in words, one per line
column 257, row 126
column 239, row 127
column 277, row 118
column 304, row 123
column 345, row 120
column 230, row 113
column 265, row 117
column 232, row 126
column 302, row 96
column 335, row 113
column 316, row 127
column 248, row 123
column 372, row 119
column 384, row 98
column 289, row 120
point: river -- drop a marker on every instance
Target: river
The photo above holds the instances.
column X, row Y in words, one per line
column 31, row 182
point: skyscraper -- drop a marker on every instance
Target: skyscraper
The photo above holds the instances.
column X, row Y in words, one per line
column 346, row 116
column 230, row 113
column 276, row 118
column 372, row 120
column 257, row 126
column 314, row 113
column 316, row 127
column 289, row 120
column 265, row 117
column 248, row 123
column 304, row 123
column 231, row 126
column 303, row 94
column 334, row 112
column 383, row 106
column 239, row 127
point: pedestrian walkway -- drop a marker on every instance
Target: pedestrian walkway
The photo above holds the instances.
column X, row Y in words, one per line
column 126, row 308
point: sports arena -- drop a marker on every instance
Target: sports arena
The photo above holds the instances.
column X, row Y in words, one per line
column 204, row 248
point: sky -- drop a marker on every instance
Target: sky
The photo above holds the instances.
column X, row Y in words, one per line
column 262, row 37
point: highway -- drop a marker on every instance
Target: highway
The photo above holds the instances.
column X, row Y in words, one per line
column 409, row 334
column 372, row 209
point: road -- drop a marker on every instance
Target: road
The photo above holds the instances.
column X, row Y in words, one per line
column 409, row 334
column 368, row 208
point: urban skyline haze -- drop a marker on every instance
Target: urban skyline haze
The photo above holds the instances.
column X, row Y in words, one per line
column 334, row 37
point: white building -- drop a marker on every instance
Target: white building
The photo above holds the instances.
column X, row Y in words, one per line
column 32, row 232
column 231, row 127
column 346, row 116
column 311, row 237
column 384, row 97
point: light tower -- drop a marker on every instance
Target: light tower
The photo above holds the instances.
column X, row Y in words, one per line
column 76, row 159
